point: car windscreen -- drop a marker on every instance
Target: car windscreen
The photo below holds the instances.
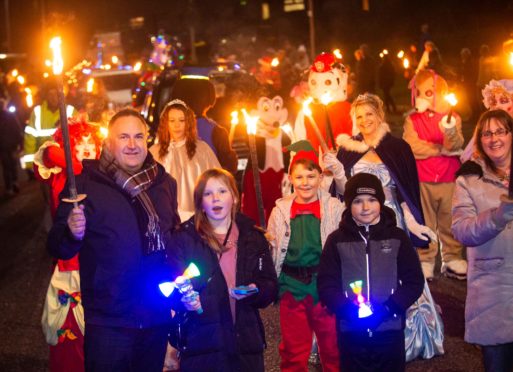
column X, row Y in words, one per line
column 118, row 82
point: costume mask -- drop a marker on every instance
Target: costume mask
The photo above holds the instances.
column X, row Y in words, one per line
column 271, row 114
column 326, row 76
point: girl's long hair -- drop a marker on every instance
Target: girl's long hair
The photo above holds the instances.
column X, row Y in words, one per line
column 164, row 134
column 484, row 121
column 201, row 222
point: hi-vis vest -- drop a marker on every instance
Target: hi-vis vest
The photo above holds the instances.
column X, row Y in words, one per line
column 39, row 130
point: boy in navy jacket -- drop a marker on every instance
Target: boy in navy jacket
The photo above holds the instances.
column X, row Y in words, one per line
column 369, row 275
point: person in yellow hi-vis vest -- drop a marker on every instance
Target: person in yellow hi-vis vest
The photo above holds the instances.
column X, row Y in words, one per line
column 42, row 124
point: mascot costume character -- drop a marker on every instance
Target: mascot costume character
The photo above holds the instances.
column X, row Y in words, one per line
column 436, row 141
column 327, row 83
column 272, row 161
column 497, row 95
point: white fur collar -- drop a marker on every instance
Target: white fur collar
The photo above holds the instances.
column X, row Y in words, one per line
column 350, row 144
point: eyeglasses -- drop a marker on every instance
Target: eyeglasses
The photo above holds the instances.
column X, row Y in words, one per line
column 501, row 132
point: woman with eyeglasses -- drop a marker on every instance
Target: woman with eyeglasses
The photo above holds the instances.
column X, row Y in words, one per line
column 482, row 215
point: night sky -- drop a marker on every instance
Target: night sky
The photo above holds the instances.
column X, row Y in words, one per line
column 342, row 23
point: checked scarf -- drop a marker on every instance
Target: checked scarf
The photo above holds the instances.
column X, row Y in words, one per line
column 135, row 185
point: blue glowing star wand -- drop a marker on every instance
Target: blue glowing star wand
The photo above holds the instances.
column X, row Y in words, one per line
column 364, row 307
column 184, row 285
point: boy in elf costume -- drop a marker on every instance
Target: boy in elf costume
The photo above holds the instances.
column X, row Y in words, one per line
column 63, row 314
column 298, row 228
column 436, row 143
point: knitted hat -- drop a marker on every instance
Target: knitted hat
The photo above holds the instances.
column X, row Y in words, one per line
column 363, row 184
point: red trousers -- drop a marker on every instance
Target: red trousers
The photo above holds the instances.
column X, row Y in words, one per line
column 68, row 355
column 298, row 321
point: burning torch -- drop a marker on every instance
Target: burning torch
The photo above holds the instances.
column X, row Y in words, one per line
column 308, row 113
column 233, row 124
column 58, row 64
column 287, row 128
column 251, row 125
column 326, row 100
column 184, row 285
column 452, row 100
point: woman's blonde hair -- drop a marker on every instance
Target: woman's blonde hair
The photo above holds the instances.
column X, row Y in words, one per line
column 368, row 99
column 201, row 222
column 164, row 134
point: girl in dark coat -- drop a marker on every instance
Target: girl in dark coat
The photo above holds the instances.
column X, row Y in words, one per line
column 227, row 334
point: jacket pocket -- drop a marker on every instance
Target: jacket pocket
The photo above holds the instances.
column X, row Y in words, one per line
column 488, row 264
column 108, row 295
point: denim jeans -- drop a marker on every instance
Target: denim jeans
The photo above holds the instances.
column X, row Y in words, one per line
column 124, row 349
column 498, row 358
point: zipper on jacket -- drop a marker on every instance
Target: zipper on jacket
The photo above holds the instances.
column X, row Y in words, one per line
column 366, row 239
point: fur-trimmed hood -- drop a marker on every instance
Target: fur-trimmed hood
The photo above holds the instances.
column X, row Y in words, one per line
column 356, row 142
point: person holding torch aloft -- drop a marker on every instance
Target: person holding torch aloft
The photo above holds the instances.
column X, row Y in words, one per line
column 370, row 252
column 435, row 136
column 220, row 328
column 121, row 230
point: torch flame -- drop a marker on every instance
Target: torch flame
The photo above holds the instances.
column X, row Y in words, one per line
column 306, row 108
column 29, row 99
column 287, row 128
column 104, row 132
column 90, row 85
column 275, row 62
column 400, row 54
column 251, row 122
column 337, row 53
column 451, row 99
column 58, row 63
column 137, row 66
column 385, row 52
column 235, row 117
column 406, row 63
column 326, row 98
column 21, row 79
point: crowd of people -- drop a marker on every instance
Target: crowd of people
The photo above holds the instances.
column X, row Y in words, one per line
column 348, row 249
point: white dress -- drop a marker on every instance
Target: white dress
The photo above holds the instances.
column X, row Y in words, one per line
column 186, row 171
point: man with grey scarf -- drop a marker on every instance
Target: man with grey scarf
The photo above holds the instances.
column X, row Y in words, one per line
column 121, row 231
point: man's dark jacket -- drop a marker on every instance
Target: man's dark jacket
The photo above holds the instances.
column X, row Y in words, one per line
column 119, row 283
